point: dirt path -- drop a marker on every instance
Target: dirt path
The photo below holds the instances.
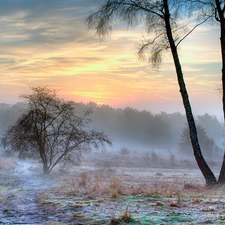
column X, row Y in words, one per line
column 21, row 191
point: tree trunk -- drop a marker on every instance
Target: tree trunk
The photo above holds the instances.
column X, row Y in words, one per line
column 44, row 159
column 45, row 168
column 222, row 43
column 221, row 179
column 203, row 166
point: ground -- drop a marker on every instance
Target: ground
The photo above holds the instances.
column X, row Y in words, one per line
column 107, row 195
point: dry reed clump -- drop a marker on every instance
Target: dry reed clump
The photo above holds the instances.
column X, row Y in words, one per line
column 83, row 179
column 7, row 164
column 91, row 183
column 115, row 187
column 193, row 187
column 68, row 185
column 126, row 217
column 174, row 204
column 197, row 200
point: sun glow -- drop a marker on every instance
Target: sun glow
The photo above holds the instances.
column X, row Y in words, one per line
column 36, row 53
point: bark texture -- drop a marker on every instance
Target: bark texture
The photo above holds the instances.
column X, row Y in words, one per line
column 203, row 166
column 221, row 20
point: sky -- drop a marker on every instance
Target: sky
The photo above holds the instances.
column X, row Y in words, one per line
column 48, row 43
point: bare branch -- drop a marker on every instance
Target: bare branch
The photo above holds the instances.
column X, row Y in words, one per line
column 197, row 25
column 50, row 130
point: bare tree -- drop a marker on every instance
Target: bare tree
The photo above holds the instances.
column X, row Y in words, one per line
column 160, row 18
column 51, row 129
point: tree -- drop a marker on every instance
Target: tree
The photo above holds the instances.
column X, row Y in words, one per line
column 213, row 127
column 216, row 9
column 161, row 19
column 210, row 148
column 51, row 130
column 9, row 114
column 219, row 9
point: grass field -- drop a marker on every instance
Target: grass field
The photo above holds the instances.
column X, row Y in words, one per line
column 107, row 195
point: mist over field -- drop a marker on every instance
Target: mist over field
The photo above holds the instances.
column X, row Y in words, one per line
column 148, row 176
column 142, row 131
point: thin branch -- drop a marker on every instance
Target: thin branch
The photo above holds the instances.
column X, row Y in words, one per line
column 148, row 43
column 197, row 25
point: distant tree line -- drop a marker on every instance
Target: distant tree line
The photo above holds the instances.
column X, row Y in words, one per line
column 141, row 130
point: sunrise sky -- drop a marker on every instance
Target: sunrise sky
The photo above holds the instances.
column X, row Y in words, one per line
column 47, row 43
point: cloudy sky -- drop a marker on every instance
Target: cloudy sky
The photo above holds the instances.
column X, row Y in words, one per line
column 48, row 43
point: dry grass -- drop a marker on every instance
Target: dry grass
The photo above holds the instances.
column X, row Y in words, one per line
column 91, row 194
column 115, row 187
column 91, row 183
column 98, row 183
column 197, row 200
column 83, row 180
column 126, row 217
column 92, row 190
column 174, row 204
column 193, row 187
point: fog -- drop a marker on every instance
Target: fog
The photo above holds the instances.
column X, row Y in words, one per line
column 148, row 175
column 141, row 131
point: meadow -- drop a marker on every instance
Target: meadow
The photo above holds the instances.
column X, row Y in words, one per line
column 116, row 189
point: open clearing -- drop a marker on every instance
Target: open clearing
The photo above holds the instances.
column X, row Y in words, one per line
column 123, row 195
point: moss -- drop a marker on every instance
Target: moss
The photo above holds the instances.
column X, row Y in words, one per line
column 159, row 204
column 177, row 217
column 3, row 189
column 168, row 219
column 222, row 218
column 151, row 219
column 208, row 221
column 78, row 214
column 54, row 223
column 79, row 204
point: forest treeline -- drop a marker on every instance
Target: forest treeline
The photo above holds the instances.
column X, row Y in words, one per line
column 141, row 130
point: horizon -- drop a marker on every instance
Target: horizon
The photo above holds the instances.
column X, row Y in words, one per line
column 154, row 112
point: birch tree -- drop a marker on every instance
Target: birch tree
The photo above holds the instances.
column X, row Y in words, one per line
column 215, row 9
column 161, row 18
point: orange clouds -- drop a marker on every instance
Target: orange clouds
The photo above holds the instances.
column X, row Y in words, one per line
column 46, row 45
